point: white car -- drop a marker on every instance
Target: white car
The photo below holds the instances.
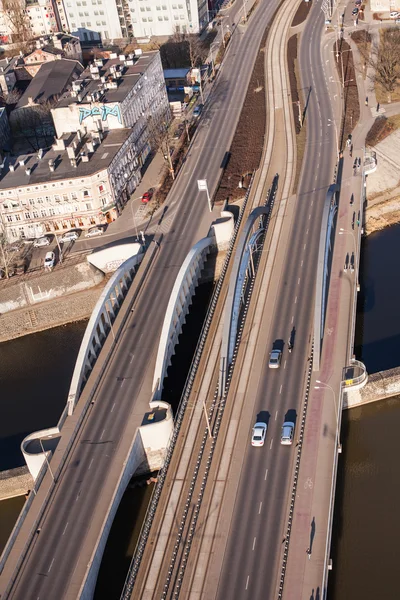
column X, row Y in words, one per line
column 287, row 433
column 70, row 236
column 275, row 359
column 394, row 14
column 42, row 241
column 49, row 260
column 258, row 435
column 94, row 231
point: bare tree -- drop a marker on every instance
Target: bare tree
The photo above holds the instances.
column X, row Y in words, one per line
column 34, row 124
column 196, row 50
column 385, row 62
column 8, row 255
column 18, row 21
column 161, row 138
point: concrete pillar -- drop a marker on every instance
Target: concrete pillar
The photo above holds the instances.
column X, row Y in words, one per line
column 101, row 327
column 110, row 311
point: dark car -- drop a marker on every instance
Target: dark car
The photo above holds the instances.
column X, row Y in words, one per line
column 197, row 110
column 147, row 196
column 354, row 12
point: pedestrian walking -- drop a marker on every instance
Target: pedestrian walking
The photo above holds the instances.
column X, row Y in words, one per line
column 308, row 551
column 377, row 107
column 366, row 101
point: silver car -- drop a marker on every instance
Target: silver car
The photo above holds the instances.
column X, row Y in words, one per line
column 94, row 232
column 287, row 433
column 275, row 359
column 70, row 236
column 42, row 241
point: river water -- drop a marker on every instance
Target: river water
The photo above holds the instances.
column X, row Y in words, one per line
column 35, row 373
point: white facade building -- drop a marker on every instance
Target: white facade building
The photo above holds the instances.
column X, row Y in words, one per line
column 82, row 181
column 93, row 19
column 43, row 17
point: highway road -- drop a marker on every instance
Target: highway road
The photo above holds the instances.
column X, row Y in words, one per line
column 251, row 565
column 53, row 557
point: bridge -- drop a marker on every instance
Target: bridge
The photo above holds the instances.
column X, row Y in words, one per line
column 216, row 496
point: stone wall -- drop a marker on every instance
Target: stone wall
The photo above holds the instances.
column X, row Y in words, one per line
column 15, row 482
column 380, row 386
column 45, row 315
column 29, row 290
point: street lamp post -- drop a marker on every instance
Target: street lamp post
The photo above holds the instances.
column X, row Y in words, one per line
column 330, row 122
column 46, row 459
column 322, row 385
column 212, row 57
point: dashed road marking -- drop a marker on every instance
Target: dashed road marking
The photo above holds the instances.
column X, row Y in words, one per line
column 259, row 510
column 247, row 581
column 51, row 564
column 254, row 543
column 65, row 528
column 112, row 407
column 266, row 475
column 91, row 462
column 102, row 433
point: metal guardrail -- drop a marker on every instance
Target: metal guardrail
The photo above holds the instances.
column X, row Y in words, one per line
column 145, row 531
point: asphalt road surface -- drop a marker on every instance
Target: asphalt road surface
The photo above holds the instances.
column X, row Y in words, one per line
column 251, row 562
column 52, row 560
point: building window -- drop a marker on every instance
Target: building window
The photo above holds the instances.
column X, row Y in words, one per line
column 150, row 18
column 148, row 8
column 52, row 212
column 142, row 9
column 144, row 20
column 74, row 195
column 17, row 217
column 166, row 18
column 9, row 218
column 43, row 213
column 88, row 206
column 35, row 214
column 160, row 18
column 27, row 215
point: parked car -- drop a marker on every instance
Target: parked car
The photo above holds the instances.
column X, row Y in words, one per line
column 394, row 14
column 287, row 433
column 354, row 12
column 258, row 435
column 358, row 2
column 198, row 110
column 147, row 196
column 42, row 241
column 49, row 260
column 94, row 231
column 70, row 236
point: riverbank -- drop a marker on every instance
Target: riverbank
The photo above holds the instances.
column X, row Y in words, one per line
column 15, row 482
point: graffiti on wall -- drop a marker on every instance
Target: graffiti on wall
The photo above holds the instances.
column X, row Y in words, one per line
column 100, row 111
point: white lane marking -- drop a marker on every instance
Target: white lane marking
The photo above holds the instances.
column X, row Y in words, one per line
column 295, row 300
column 247, row 581
column 133, row 356
column 77, row 498
column 276, row 415
column 312, row 202
column 51, row 564
column 254, row 543
column 309, row 216
column 65, row 528
column 112, row 407
column 292, row 318
column 284, row 365
column 298, row 281
column 122, row 382
column 259, row 510
column 91, row 462
column 266, row 475
column 102, row 433
column 304, row 247
column 280, row 389
column 140, row 337
column 302, row 263
column 270, row 446
column 307, row 231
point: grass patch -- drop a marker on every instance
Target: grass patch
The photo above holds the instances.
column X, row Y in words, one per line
column 302, row 13
column 381, row 128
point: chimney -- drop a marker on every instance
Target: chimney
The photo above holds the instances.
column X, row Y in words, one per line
column 73, row 163
column 89, row 146
column 21, row 162
column 30, row 100
column 52, row 165
column 12, row 168
column 28, row 171
column 40, row 154
column 79, row 135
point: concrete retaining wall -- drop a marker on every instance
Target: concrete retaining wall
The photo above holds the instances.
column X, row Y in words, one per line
column 380, row 386
column 48, row 285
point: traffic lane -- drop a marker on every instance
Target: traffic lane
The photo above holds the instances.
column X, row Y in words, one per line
column 255, row 506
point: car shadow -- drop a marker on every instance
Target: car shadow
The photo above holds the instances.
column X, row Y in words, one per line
column 278, row 345
column 263, row 417
column 291, row 416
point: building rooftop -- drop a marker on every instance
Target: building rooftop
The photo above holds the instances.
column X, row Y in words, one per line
column 51, row 80
column 176, row 73
column 91, row 155
column 113, row 78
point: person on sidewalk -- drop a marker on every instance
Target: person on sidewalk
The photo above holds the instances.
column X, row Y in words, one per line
column 308, row 551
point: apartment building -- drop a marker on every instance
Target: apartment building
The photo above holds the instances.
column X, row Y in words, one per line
column 43, row 17
column 123, row 91
column 83, row 180
column 93, row 20
column 50, row 48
